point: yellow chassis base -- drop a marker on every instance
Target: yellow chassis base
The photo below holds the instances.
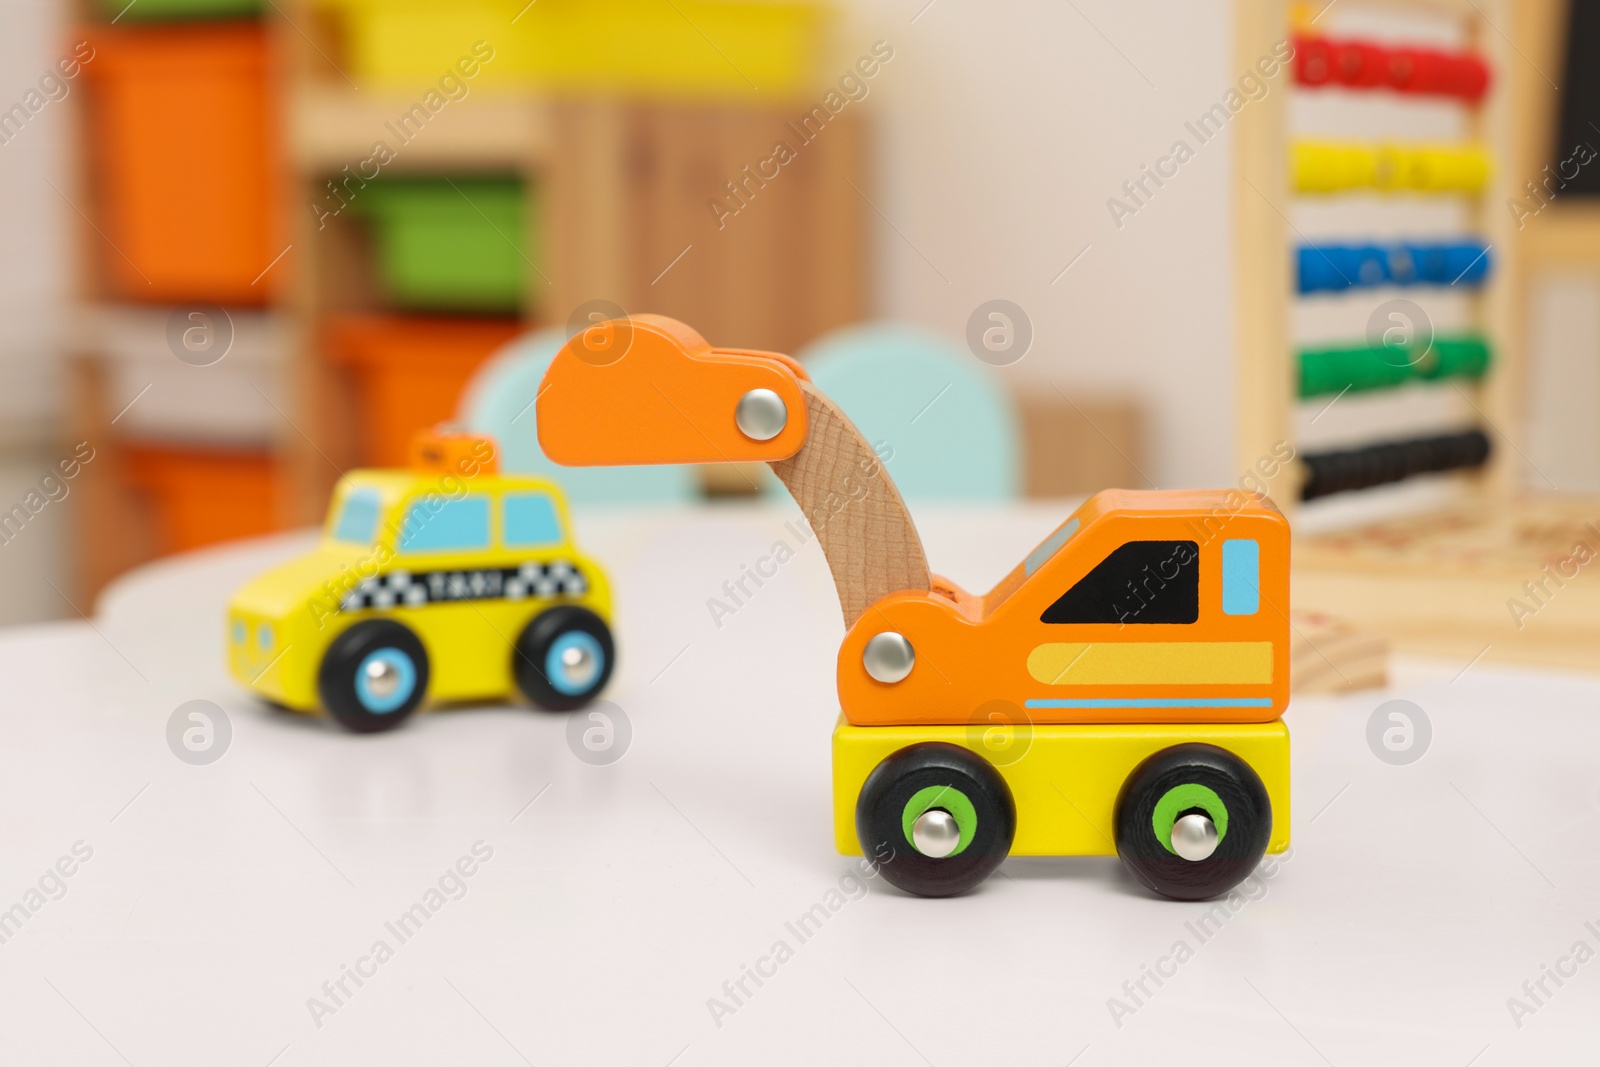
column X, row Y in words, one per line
column 1064, row 778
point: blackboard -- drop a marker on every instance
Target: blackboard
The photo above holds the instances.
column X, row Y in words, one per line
column 1580, row 102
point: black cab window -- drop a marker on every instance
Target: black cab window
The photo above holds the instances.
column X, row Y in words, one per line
column 1140, row 582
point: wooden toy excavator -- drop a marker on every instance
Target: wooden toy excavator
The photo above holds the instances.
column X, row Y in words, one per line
column 1119, row 692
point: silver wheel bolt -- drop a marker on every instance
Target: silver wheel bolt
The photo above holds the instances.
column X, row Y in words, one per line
column 935, row 833
column 1194, row 837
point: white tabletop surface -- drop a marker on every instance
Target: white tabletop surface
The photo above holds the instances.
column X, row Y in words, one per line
column 218, row 899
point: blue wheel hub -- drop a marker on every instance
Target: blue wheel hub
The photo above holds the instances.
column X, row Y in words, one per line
column 574, row 663
column 386, row 679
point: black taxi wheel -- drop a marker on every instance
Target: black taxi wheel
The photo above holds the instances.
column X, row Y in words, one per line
column 373, row 676
column 563, row 658
column 938, row 817
column 1193, row 821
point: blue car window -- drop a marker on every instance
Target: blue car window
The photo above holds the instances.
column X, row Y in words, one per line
column 530, row 519
column 1047, row 548
column 446, row 525
column 359, row 519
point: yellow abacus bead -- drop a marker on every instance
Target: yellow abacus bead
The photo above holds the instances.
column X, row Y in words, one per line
column 1437, row 169
column 1331, row 167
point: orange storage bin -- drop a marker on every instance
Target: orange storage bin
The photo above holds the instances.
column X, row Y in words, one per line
column 186, row 165
column 202, row 496
column 410, row 371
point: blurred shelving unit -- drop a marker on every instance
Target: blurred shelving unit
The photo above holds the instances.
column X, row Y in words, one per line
column 172, row 165
column 1436, row 573
column 617, row 179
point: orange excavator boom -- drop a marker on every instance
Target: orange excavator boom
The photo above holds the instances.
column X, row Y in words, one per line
column 649, row 389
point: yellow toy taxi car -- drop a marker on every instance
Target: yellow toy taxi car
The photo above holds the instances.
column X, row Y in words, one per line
column 445, row 582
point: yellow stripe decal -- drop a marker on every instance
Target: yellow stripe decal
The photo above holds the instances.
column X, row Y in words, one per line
column 1153, row 663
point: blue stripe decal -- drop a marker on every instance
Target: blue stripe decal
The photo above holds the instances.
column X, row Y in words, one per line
column 1157, row 702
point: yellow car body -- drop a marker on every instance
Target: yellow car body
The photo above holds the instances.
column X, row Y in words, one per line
column 1064, row 777
column 464, row 562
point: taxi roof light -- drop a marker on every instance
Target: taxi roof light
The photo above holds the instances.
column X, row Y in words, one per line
column 447, row 449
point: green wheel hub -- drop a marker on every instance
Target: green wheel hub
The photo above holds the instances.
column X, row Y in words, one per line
column 1179, row 799
column 945, row 798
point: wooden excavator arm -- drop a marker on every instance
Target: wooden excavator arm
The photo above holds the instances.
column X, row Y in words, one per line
column 651, row 390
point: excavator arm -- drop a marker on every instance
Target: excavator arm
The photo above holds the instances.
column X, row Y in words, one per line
column 649, row 389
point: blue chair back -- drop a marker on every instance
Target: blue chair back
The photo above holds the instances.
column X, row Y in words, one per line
column 942, row 419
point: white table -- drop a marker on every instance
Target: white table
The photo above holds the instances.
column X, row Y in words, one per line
column 219, row 898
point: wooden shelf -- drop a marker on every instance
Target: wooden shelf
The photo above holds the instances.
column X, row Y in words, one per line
column 331, row 127
column 620, row 213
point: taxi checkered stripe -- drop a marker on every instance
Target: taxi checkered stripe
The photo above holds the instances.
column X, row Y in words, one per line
column 413, row 589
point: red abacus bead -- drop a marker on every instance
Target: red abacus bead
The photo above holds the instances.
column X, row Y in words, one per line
column 1360, row 65
column 1405, row 67
column 1471, row 77
column 1313, row 61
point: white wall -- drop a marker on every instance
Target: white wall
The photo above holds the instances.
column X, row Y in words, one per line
column 1004, row 127
column 1564, row 390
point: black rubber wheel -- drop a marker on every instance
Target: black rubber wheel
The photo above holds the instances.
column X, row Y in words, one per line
column 563, row 658
column 373, row 676
column 1184, row 779
column 936, row 776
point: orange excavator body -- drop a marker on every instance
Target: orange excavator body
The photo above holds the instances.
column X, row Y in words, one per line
column 1144, row 607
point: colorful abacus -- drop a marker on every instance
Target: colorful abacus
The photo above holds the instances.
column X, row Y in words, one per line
column 1410, row 357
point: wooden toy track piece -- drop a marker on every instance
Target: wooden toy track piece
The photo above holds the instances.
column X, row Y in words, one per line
column 1329, row 655
column 865, row 530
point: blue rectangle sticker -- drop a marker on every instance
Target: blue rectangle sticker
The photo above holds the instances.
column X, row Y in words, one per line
column 1241, row 577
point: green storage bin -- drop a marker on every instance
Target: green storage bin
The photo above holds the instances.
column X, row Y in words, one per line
column 461, row 244
column 153, row 10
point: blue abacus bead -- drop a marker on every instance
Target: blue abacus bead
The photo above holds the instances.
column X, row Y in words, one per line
column 1347, row 260
column 1466, row 264
column 1405, row 263
column 1433, row 264
column 1318, row 270
column 1369, row 265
